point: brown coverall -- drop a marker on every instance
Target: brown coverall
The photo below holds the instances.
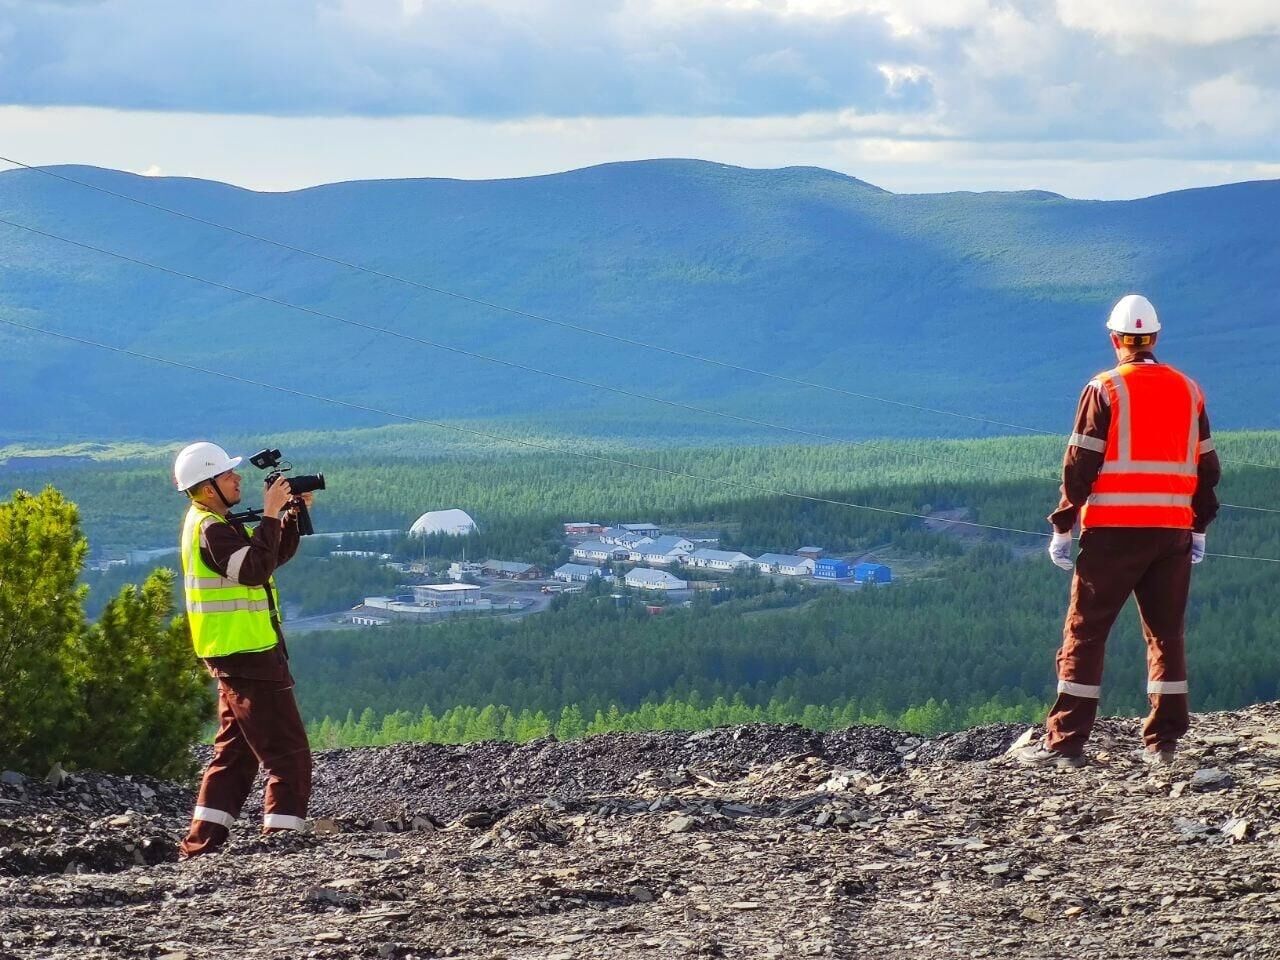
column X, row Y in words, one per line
column 1113, row 562
column 259, row 723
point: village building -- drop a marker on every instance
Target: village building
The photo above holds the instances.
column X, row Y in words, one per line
column 459, row 570
column 661, row 552
column 446, row 594
column 787, row 565
column 510, row 570
column 579, row 573
column 621, row 537
column 597, row 551
column 642, row 578
column 642, row 529
column 832, row 568
column 872, row 573
column 583, row 529
column 811, row 553
column 719, row 559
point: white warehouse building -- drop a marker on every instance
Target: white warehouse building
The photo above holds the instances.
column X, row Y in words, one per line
column 719, row 559
column 452, row 523
column 785, row 564
column 662, row 551
column 644, row 579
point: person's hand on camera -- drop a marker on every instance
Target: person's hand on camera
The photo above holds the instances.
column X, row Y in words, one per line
column 276, row 497
column 308, row 499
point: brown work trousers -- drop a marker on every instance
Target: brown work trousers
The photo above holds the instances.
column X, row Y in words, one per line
column 1113, row 562
column 259, row 726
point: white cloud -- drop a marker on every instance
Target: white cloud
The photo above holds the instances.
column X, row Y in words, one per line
column 798, row 81
column 1192, row 22
column 896, row 76
column 153, row 171
column 1230, row 107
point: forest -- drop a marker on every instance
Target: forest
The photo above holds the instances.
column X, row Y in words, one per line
column 886, row 650
column 971, row 629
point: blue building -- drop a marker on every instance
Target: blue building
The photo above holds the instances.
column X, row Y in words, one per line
column 830, row 568
column 872, row 573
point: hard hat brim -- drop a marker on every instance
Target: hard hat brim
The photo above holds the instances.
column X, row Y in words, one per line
column 1119, row 328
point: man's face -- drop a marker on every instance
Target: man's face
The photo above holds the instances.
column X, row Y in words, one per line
column 229, row 485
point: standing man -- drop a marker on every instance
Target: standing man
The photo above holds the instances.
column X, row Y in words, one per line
column 234, row 612
column 1139, row 472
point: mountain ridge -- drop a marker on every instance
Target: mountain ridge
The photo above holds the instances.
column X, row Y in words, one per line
column 799, row 271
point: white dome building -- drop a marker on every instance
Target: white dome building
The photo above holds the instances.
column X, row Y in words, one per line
column 452, row 523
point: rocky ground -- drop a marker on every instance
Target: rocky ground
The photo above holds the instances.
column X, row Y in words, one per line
column 744, row 842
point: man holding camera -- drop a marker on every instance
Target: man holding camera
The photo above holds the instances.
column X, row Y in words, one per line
column 234, row 613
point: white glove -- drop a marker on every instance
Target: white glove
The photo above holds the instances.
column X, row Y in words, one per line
column 1060, row 550
column 1197, row 547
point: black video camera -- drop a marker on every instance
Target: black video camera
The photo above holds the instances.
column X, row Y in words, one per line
column 303, row 483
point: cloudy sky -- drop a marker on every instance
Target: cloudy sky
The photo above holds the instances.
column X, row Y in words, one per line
column 1090, row 98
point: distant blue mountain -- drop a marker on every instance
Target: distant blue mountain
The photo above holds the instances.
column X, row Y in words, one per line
column 984, row 303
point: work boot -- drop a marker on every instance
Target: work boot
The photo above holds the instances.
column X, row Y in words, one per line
column 1038, row 754
column 1161, row 756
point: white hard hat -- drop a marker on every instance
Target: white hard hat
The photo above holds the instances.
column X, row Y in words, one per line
column 1134, row 314
column 201, row 461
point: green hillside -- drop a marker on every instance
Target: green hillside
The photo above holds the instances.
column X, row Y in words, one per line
column 973, row 619
column 981, row 303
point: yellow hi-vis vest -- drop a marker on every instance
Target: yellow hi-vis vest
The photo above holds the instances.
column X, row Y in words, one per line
column 225, row 616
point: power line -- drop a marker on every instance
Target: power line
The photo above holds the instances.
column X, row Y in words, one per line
column 543, row 446
column 475, row 355
column 579, row 381
column 760, row 488
column 721, row 481
column 529, row 315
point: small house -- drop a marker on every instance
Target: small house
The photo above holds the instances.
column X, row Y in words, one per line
column 642, row 529
column 832, row 568
column 719, row 559
column 644, row 579
column 872, row 573
column 578, row 573
column 787, row 565
column 621, row 538
column 598, row 551
column 510, row 570
column 660, row 552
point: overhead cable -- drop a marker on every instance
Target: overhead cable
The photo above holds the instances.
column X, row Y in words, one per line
column 552, row 448
column 759, row 488
column 487, row 435
column 579, row 381
column 541, row 318
column 475, row 355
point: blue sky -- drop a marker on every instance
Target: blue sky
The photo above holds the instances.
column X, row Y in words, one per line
column 1091, row 98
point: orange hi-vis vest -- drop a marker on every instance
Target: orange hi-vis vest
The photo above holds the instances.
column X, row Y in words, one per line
column 1152, row 453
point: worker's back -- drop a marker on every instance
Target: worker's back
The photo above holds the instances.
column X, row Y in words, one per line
column 1148, row 473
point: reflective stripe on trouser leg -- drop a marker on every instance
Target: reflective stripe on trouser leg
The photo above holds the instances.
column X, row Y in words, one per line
column 1079, row 689
column 220, row 817
column 282, row 821
column 1166, row 686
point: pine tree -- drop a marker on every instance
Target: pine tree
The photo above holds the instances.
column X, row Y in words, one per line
column 142, row 695
column 125, row 694
column 41, row 614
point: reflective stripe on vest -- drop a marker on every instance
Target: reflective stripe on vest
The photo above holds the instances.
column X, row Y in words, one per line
column 225, row 616
column 1152, row 452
